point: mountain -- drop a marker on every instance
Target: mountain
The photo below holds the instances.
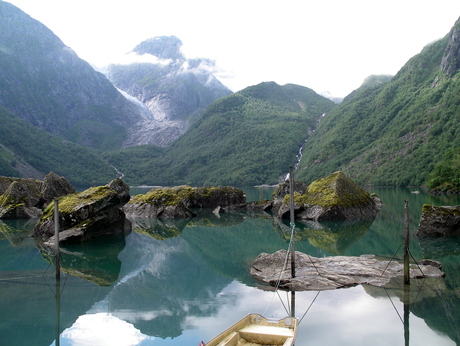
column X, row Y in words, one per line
column 175, row 90
column 46, row 84
column 247, row 138
column 393, row 132
column 27, row 151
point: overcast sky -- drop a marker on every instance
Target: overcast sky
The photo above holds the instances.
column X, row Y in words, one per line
column 324, row 45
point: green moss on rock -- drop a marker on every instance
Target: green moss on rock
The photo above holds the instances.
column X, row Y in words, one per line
column 335, row 197
column 334, row 190
column 70, row 203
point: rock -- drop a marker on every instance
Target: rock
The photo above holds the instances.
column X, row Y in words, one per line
column 335, row 197
column 90, row 214
column 20, row 211
column 121, row 188
column 176, row 202
column 171, row 96
column 24, row 198
column 5, row 182
column 21, row 199
column 55, row 186
column 212, row 197
column 283, row 190
column 158, row 203
column 217, row 211
column 450, row 62
column 313, row 273
column 439, row 221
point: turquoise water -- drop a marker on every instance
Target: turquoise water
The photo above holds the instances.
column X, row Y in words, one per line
column 177, row 283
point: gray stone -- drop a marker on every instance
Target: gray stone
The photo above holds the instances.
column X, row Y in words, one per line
column 24, row 198
column 21, row 195
column 325, row 273
column 176, row 202
column 87, row 215
column 335, row 197
column 439, row 221
column 55, row 186
column 283, row 190
column 121, row 188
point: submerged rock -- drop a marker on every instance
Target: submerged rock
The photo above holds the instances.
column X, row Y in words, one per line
column 24, row 198
column 176, row 202
column 439, row 221
column 90, row 214
column 325, row 273
column 335, row 197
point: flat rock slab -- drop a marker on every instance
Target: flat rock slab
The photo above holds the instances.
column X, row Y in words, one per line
column 326, row 273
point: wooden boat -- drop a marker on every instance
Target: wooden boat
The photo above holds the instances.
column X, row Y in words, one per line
column 254, row 330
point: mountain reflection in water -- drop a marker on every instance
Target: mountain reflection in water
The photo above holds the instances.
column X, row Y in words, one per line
column 179, row 283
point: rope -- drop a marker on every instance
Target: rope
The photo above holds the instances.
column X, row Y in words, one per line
column 393, row 305
column 418, row 292
column 410, row 253
column 311, row 304
column 291, row 241
column 311, row 261
column 65, row 280
column 279, row 280
column 392, row 258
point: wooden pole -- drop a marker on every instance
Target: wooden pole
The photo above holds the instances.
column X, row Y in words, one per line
column 58, row 311
column 406, row 243
column 56, row 238
column 291, row 195
column 292, row 219
column 406, row 314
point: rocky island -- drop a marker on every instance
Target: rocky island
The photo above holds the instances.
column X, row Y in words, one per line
column 439, row 221
column 335, row 197
column 22, row 198
column 326, row 273
column 87, row 215
column 178, row 201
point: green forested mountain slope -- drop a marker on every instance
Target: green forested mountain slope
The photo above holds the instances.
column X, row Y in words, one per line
column 250, row 137
column 393, row 133
column 26, row 151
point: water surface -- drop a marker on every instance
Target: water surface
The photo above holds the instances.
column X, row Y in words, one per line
column 177, row 283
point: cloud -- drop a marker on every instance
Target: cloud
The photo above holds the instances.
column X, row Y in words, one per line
column 103, row 329
column 131, row 58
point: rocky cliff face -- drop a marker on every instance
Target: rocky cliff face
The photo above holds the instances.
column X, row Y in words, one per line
column 45, row 83
column 175, row 90
column 451, row 60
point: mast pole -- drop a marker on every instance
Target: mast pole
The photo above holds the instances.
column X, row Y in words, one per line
column 291, row 195
column 406, row 243
column 292, row 246
column 56, row 238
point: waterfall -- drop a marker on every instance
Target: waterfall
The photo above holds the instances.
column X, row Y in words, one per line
column 299, row 154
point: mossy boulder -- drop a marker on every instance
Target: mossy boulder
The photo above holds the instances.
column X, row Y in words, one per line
column 439, row 221
column 24, row 198
column 176, row 202
column 283, row 190
column 90, row 214
column 335, row 197
column 55, row 186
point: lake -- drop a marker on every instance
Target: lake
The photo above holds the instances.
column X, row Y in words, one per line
column 180, row 282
